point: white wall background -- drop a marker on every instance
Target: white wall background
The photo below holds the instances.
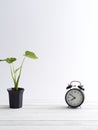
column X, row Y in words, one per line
column 64, row 35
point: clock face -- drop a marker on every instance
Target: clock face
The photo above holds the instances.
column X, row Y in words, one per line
column 74, row 97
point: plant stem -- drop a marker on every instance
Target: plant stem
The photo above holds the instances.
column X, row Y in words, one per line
column 12, row 74
column 17, row 82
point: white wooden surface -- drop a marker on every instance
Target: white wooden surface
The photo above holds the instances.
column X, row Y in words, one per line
column 49, row 117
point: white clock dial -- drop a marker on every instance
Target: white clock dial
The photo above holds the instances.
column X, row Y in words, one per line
column 74, row 97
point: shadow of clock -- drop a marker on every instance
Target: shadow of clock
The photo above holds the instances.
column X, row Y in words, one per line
column 68, row 107
column 60, row 108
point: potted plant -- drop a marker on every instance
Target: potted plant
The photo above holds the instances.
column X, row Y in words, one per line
column 16, row 93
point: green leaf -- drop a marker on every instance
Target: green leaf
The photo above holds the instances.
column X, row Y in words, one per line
column 30, row 54
column 10, row 60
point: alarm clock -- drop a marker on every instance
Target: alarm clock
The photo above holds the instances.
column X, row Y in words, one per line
column 74, row 97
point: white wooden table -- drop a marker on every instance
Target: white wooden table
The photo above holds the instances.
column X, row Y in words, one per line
column 49, row 117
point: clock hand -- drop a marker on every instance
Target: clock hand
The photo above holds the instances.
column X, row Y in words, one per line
column 71, row 95
column 73, row 98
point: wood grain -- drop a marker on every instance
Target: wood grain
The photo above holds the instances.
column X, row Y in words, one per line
column 57, row 116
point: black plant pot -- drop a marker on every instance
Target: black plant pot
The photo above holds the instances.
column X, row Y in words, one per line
column 15, row 97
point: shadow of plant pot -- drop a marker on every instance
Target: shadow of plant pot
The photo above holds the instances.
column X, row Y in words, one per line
column 15, row 97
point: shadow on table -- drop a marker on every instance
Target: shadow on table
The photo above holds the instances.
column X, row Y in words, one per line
column 63, row 108
column 51, row 107
column 4, row 107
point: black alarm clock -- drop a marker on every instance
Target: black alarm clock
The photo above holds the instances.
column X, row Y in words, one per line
column 74, row 97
